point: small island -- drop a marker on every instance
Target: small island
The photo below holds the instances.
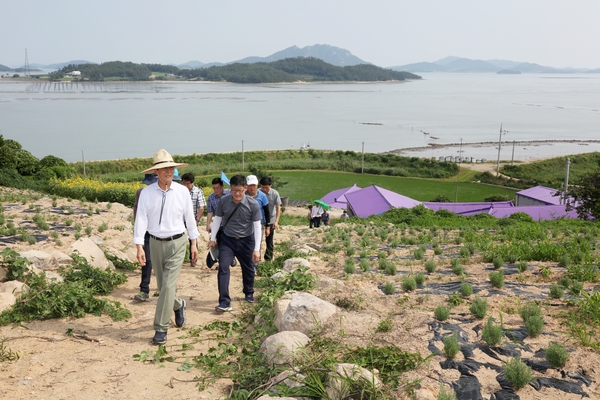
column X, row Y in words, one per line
column 298, row 69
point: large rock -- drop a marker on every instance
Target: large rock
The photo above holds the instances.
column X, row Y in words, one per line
column 292, row 264
column 118, row 253
column 281, row 347
column 342, row 376
column 6, row 300
column 92, row 253
column 13, row 287
column 288, row 378
column 280, row 308
column 41, row 259
column 305, row 313
column 61, row 258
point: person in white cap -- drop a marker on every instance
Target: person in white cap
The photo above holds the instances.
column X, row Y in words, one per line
column 263, row 202
column 162, row 209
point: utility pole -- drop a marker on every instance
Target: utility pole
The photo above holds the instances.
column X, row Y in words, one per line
column 564, row 196
column 26, row 66
column 512, row 160
column 362, row 168
column 499, row 146
column 459, row 160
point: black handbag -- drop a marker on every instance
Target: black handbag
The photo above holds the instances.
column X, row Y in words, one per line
column 213, row 254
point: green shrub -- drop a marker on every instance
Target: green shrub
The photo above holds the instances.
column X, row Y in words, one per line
column 497, row 279
column 455, row 299
column 409, row 284
column 437, row 251
column 523, row 266
column 419, row 254
column 389, row 288
column 420, row 279
column 576, row 288
column 517, row 373
column 498, row 262
column 430, row 266
column 466, row 289
column 512, row 258
column 444, row 395
column 364, row 265
column 442, row 313
column 349, row 266
column 464, row 252
column 529, row 309
column 451, row 346
column 390, row 269
column 534, row 325
column 479, row 307
column 385, row 325
column 457, row 268
column 565, row 282
column 564, row 261
column 492, row 333
column 557, row 355
column 556, row 292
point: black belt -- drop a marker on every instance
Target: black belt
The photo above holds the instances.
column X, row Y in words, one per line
column 174, row 237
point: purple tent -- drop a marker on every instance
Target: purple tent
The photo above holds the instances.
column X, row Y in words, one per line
column 337, row 198
column 538, row 194
column 374, row 200
column 467, row 209
column 538, row 213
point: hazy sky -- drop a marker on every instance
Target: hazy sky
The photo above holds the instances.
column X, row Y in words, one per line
column 556, row 33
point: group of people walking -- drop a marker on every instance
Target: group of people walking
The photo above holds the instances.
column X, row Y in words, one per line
column 237, row 220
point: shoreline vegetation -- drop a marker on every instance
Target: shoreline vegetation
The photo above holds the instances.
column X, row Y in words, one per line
column 492, row 143
column 421, row 178
column 289, row 70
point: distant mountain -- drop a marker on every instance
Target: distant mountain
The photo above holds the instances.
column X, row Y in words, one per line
column 190, row 65
column 5, row 68
column 467, row 65
column 457, row 64
column 420, row 67
column 330, row 54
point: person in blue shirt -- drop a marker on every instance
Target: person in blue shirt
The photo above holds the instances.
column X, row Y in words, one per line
column 263, row 202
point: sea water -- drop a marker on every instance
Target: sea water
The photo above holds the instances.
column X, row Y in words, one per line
column 124, row 120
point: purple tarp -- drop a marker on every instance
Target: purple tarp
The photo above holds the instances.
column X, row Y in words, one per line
column 542, row 194
column 337, row 197
column 538, row 213
column 374, row 200
column 467, row 209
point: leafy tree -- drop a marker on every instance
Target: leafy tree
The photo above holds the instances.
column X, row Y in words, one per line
column 584, row 195
column 52, row 161
column 440, row 198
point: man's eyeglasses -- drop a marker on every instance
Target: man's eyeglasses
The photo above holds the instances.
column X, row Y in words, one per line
column 238, row 191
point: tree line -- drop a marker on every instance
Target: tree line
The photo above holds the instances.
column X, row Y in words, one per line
column 307, row 69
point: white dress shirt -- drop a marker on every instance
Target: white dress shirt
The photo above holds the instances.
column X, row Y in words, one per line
column 162, row 213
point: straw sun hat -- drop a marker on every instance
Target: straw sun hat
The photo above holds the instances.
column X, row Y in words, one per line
column 162, row 159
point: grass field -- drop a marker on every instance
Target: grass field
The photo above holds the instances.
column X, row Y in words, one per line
column 310, row 185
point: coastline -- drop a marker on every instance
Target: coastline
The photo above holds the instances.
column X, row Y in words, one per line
column 523, row 150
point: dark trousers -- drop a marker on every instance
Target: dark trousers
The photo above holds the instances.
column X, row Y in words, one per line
column 316, row 221
column 146, row 269
column 241, row 249
column 270, row 245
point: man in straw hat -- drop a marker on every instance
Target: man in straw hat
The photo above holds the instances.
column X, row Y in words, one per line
column 162, row 209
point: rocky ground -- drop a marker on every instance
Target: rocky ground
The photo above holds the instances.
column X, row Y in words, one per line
column 97, row 362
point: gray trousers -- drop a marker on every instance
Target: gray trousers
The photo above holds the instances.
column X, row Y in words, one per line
column 167, row 258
